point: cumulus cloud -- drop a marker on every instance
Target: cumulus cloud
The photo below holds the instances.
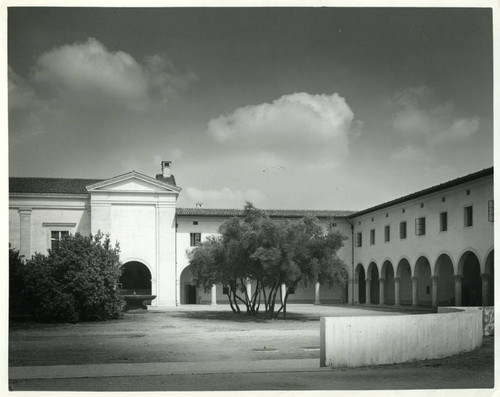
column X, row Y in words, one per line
column 300, row 126
column 88, row 73
column 224, row 198
column 28, row 114
column 421, row 117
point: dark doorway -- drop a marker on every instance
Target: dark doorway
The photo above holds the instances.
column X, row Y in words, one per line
column 471, row 281
column 190, row 294
column 375, row 285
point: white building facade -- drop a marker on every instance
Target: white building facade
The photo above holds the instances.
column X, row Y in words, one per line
column 444, row 254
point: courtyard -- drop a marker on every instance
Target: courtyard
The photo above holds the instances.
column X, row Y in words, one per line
column 198, row 347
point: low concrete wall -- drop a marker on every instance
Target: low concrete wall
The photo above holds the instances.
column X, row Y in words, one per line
column 358, row 341
column 488, row 313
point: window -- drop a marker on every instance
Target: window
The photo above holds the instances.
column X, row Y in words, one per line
column 491, row 211
column 359, row 239
column 443, row 221
column 55, row 237
column 420, row 226
column 195, row 223
column 195, row 239
column 467, row 192
column 468, row 216
column 402, row 230
column 387, row 233
column 443, row 199
column 372, row 236
column 421, row 205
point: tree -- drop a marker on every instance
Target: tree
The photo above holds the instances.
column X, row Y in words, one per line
column 76, row 281
column 269, row 253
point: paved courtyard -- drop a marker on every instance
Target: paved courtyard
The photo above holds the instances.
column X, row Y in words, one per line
column 210, row 348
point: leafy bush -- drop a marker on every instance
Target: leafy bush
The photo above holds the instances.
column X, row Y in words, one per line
column 15, row 281
column 77, row 281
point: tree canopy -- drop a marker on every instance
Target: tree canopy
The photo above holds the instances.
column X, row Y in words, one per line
column 268, row 253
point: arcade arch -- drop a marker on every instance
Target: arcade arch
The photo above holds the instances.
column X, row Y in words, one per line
column 387, row 274
column 361, row 277
column 372, row 284
column 470, row 270
column 403, row 286
column 488, row 280
column 422, row 292
column 188, row 291
column 135, row 278
column 445, row 275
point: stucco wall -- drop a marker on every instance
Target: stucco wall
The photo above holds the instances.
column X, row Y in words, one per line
column 44, row 214
column 453, row 242
column 358, row 341
column 209, row 226
column 488, row 313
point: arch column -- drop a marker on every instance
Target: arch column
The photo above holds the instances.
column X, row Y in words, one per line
column 381, row 282
column 356, row 291
column 485, row 278
column 434, row 280
column 316, row 294
column 458, row 290
column 177, row 291
column 25, row 233
column 397, row 291
column 214, row 295
column 368, row 285
column 414, row 291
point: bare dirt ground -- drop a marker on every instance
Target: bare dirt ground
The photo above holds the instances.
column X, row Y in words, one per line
column 201, row 334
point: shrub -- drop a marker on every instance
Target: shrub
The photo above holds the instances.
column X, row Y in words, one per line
column 77, row 281
column 15, row 281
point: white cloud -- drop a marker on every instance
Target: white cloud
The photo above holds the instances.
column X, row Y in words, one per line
column 88, row 73
column 421, row 118
column 297, row 127
column 223, row 198
column 28, row 114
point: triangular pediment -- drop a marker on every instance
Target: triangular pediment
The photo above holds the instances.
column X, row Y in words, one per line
column 133, row 182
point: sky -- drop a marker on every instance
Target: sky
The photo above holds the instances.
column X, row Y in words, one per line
column 295, row 108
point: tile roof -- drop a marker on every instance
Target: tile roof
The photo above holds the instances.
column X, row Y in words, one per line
column 215, row 212
column 170, row 179
column 50, row 185
column 60, row 185
column 425, row 192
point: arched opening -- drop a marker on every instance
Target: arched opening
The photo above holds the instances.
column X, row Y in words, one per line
column 374, row 287
column 360, row 271
column 471, row 280
column 404, row 274
column 388, row 275
column 189, row 292
column 446, row 281
column 135, row 279
column 490, row 270
column 424, row 288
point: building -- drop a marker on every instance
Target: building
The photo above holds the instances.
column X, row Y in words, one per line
column 433, row 247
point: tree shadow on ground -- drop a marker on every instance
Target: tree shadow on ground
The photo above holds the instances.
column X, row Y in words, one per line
column 243, row 317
